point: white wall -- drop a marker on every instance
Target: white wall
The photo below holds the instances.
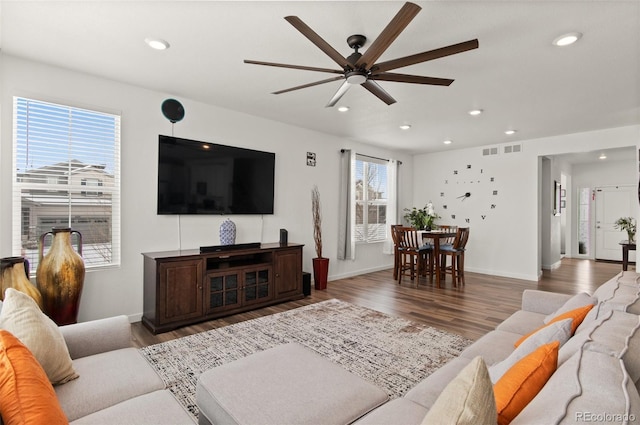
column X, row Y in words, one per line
column 508, row 241
column 118, row 290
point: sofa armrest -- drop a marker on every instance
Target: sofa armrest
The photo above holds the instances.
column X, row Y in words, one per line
column 97, row 336
column 542, row 302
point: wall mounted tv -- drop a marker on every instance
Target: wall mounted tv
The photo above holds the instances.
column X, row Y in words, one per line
column 207, row 178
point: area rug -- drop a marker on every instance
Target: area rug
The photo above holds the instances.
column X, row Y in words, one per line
column 392, row 353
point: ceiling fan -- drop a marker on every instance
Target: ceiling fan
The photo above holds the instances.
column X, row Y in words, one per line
column 362, row 69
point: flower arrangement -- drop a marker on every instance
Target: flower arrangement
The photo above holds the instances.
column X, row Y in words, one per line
column 421, row 218
column 627, row 224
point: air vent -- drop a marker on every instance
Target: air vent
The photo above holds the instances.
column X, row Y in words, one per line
column 513, row 148
column 490, row 151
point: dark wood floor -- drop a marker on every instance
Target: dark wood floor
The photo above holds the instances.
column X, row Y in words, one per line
column 470, row 311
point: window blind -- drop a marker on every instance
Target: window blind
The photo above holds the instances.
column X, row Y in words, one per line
column 66, row 165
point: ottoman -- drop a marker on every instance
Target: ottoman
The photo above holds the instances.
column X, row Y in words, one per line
column 288, row 384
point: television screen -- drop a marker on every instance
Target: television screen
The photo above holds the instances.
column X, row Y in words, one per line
column 207, row 178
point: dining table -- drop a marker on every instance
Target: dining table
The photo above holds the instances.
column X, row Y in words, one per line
column 436, row 235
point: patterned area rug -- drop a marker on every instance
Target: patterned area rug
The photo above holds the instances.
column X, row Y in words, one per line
column 392, row 353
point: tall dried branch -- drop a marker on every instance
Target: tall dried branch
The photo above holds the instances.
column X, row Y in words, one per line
column 317, row 220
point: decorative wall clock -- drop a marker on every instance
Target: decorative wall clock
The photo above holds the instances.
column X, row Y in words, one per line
column 470, row 193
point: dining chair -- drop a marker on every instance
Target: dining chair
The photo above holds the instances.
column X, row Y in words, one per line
column 456, row 251
column 413, row 254
column 395, row 232
column 447, row 228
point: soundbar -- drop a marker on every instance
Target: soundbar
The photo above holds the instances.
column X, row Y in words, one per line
column 234, row 247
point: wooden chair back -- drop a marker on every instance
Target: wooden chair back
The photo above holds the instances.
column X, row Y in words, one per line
column 447, row 228
column 462, row 236
column 408, row 239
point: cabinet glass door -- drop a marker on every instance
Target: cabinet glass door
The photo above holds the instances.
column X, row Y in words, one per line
column 257, row 285
column 223, row 291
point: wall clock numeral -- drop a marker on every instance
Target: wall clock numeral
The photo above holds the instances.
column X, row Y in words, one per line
column 493, row 179
column 495, row 192
column 483, row 216
column 453, row 216
column 441, row 194
column 444, row 207
column 446, row 182
column 468, row 166
column 467, row 220
column 455, row 172
column 493, row 206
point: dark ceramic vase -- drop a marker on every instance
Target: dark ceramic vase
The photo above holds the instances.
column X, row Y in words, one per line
column 14, row 273
column 60, row 276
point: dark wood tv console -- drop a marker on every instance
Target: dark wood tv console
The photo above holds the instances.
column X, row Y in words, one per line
column 185, row 287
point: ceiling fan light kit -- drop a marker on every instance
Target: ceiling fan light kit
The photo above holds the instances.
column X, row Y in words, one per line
column 362, row 69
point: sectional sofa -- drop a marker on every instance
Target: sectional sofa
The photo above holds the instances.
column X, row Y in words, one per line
column 596, row 378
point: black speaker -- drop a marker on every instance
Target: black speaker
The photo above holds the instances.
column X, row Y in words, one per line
column 284, row 237
column 306, row 284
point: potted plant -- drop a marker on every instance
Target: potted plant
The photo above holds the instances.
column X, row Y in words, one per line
column 628, row 224
column 421, row 218
column 320, row 264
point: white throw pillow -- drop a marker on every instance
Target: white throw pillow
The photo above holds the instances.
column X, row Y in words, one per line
column 558, row 331
column 22, row 317
column 577, row 301
column 467, row 399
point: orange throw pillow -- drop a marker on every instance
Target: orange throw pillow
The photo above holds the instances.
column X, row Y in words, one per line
column 576, row 315
column 520, row 384
column 26, row 393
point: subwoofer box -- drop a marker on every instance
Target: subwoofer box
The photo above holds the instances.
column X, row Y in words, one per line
column 306, row 283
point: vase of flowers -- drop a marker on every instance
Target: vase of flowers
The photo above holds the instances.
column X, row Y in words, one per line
column 421, row 218
column 627, row 224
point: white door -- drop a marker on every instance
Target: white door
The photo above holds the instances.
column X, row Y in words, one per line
column 613, row 202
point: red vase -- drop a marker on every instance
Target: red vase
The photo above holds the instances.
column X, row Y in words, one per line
column 320, row 272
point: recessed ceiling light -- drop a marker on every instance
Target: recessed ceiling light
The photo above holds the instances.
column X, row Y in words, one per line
column 447, row 142
column 475, row 112
column 567, row 39
column 510, row 132
column 156, row 43
column 405, row 126
column 343, row 108
column 602, row 156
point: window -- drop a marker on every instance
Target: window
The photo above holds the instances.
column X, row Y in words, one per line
column 60, row 152
column 371, row 194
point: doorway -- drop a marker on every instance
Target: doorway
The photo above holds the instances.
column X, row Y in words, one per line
column 611, row 203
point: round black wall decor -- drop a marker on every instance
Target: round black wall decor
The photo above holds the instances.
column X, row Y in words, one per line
column 172, row 110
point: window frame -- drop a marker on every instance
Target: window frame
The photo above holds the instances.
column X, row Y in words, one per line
column 100, row 206
column 366, row 203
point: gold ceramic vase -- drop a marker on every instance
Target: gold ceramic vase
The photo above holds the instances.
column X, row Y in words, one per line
column 60, row 276
column 14, row 273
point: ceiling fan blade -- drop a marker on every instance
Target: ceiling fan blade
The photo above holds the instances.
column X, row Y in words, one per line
column 284, row 65
column 415, row 79
column 378, row 91
column 318, row 41
column 390, row 33
column 425, row 56
column 304, row 86
column 341, row 91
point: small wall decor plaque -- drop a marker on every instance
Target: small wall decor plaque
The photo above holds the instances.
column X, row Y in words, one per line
column 311, row 159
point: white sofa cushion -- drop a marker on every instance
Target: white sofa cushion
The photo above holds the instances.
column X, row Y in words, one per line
column 467, row 399
column 558, row 331
column 493, row 347
column 107, row 379
column 428, row 390
column 589, row 387
column 398, row 411
column 522, row 322
column 22, row 317
column 577, row 301
column 156, row 408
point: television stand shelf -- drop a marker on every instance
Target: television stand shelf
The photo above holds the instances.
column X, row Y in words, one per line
column 186, row 287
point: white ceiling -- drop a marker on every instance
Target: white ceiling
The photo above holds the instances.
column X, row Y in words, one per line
column 516, row 76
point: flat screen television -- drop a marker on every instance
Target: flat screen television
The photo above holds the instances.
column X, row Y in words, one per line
column 206, row 178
